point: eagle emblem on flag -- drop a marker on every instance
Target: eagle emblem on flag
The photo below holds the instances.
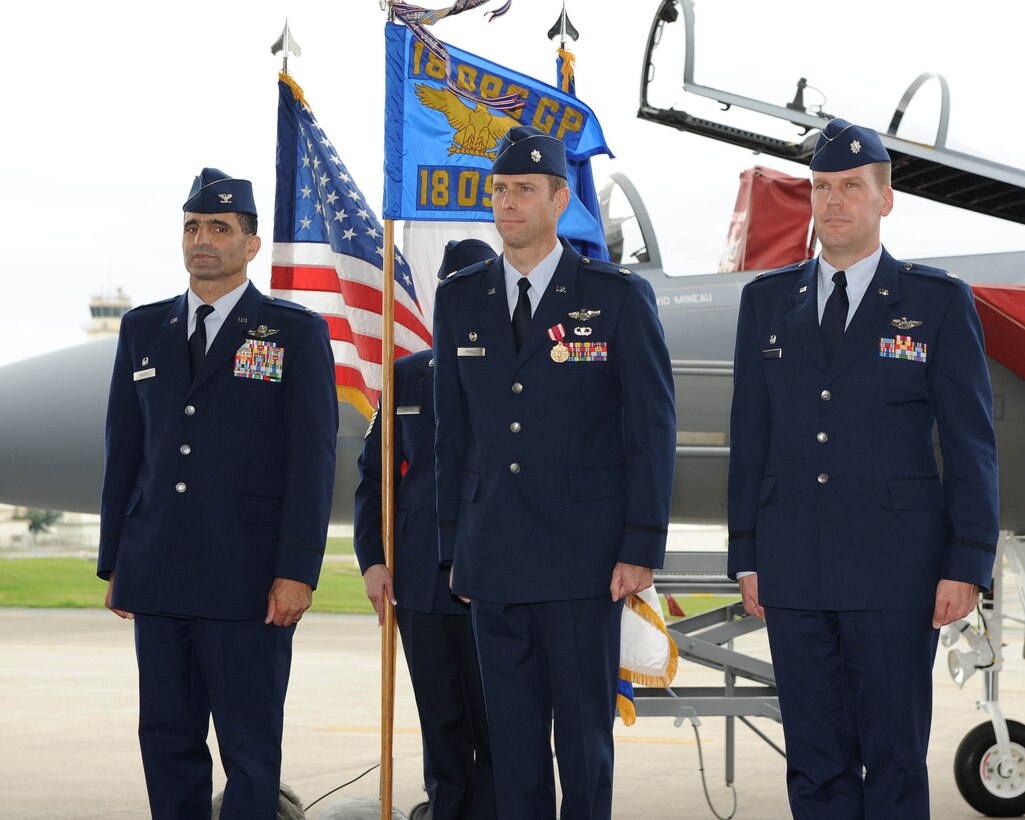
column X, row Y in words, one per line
column 477, row 130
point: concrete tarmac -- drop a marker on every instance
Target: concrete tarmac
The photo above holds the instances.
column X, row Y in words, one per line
column 68, row 744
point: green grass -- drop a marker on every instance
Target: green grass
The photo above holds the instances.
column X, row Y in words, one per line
column 696, row 604
column 340, row 590
column 339, row 546
column 50, row 582
column 72, row 583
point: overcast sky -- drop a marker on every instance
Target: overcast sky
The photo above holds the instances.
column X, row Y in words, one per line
column 113, row 107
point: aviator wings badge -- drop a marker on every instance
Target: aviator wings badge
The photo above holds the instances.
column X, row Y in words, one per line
column 262, row 332
column 584, row 315
column 904, row 323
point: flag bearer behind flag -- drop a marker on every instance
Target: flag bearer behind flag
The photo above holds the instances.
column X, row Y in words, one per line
column 437, row 637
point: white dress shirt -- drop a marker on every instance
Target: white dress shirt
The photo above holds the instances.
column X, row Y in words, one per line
column 539, row 279
column 221, row 309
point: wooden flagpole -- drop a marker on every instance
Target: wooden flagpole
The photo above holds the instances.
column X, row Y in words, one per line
column 388, row 514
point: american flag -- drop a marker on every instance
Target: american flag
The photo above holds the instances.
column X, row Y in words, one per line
column 329, row 253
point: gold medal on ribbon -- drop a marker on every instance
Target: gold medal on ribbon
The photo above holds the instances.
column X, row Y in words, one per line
column 560, row 352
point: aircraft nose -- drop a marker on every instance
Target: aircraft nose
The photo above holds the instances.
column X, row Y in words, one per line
column 52, row 413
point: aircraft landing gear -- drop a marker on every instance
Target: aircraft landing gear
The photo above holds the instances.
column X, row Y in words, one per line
column 992, row 785
column 989, row 765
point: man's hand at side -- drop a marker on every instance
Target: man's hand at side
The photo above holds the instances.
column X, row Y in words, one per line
column 287, row 601
column 628, row 579
column 954, row 600
column 749, row 592
column 110, row 594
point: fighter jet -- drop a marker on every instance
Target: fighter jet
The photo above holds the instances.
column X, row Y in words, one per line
column 52, row 407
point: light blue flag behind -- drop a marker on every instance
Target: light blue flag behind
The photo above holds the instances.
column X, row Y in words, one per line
column 439, row 147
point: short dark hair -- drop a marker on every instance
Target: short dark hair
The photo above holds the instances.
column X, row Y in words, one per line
column 555, row 184
column 248, row 224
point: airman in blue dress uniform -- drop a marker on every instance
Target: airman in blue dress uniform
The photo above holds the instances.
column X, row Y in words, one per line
column 220, row 447
column 437, row 635
column 555, row 456
column 845, row 535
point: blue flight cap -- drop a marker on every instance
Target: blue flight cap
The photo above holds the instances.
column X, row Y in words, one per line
column 842, row 146
column 461, row 254
column 528, row 150
column 214, row 192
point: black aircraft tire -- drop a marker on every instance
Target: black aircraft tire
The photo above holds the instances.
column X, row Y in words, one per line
column 985, row 789
column 421, row 811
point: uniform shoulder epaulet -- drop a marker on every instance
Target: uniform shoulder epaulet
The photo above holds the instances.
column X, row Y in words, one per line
column 928, row 270
column 601, row 266
column 416, row 359
column 150, row 305
column 796, row 267
column 477, row 267
column 287, row 304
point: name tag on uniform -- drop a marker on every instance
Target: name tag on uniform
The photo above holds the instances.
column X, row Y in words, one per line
column 411, row 410
column 774, row 353
column 469, row 351
column 149, row 373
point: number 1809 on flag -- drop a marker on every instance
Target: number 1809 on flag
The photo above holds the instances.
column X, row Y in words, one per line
column 453, row 188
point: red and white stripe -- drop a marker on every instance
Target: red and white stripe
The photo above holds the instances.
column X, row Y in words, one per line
column 347, row 292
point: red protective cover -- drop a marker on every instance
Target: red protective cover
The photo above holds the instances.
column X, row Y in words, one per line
column 1002, row 311
column 770, row 225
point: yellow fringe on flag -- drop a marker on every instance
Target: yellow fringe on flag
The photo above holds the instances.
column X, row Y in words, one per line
column 297, row 92
column 568, row 69
column 356, row 399
column 642, row 609
column 626, row 710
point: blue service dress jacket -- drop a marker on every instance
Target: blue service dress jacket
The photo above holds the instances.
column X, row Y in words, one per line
column 215, row 487
column 835, row 495
column 552, row 465
column 420, row 583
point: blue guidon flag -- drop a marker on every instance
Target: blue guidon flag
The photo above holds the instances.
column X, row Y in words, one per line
column 439, row 146
column 329, row 253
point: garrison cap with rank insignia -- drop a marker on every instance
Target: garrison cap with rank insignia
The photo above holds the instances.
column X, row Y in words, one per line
column 528, row 150
column 214, row 192
column 461, row 254
column 842, row 146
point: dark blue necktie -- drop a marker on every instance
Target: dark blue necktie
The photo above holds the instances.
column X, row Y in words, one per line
column 834, row 317
column 197, row 341
column 521, row 313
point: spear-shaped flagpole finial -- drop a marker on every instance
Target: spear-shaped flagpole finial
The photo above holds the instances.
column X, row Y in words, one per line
column 563, row 28
column 285, row 44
